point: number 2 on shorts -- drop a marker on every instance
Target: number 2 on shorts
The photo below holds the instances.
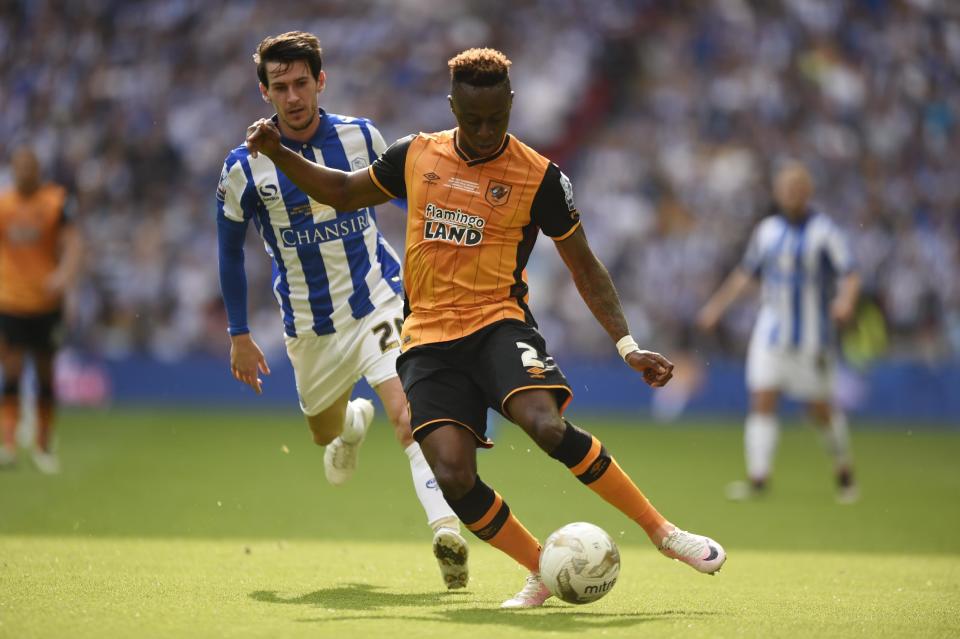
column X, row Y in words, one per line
column 529, row 357
column 386, row 332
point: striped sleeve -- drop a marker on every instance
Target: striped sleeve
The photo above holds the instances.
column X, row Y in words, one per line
column 377, row 141
column 232, row 220
column 233, row 183
column 838, row 249
column 388, row 171
column 752, row 261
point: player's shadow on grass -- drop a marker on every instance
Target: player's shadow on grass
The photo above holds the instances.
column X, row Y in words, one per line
column 559, row 618
column 369, row 598
column 548, row 619
column 357, row 597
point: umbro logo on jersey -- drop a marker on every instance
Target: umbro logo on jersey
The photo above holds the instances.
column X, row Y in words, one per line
column 358, row 163
column 430, row 177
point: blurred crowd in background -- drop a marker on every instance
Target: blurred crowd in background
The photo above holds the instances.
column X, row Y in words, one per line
column 670, row 118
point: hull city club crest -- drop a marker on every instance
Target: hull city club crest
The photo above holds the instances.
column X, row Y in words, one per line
column 497, row 193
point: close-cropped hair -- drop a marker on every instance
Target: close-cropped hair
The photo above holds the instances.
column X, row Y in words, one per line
column 479, row 67
column 287, row 48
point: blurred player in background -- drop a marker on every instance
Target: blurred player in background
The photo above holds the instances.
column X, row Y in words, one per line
column 477, row 200
column 40, row 255
column 335, row 277
column 809, row 285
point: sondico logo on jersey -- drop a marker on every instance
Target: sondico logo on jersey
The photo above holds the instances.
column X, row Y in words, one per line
column 455, row 227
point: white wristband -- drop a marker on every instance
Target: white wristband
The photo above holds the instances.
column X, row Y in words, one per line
column 627, row 345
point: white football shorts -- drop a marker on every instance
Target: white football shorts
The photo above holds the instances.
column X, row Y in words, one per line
column 327, row 366
column 801, row 375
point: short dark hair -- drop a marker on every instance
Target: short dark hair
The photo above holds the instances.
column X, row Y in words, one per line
column 479, row 67
column 287, row 48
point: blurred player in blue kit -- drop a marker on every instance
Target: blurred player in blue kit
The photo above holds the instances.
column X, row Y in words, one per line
column 335, row 277
column 810, row 285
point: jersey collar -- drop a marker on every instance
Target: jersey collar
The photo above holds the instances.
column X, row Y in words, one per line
column 488, row 158
column 316, row 140
column 801, row 223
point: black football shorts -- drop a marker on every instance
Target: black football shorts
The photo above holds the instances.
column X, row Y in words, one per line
column 456, row 381
column 42, row 332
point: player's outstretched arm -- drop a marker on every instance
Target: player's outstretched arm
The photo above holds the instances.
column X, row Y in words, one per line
column 71, row 259
column 733, row 287
column 845, row 302
column 598, row 292
column 339, row 189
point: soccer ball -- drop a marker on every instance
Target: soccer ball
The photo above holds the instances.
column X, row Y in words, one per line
column 579, row 563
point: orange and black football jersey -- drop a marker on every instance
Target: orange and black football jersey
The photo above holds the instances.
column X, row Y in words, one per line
column 30, row 248
column 470, row 230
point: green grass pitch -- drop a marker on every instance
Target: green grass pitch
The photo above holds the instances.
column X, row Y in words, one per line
column 219, row 524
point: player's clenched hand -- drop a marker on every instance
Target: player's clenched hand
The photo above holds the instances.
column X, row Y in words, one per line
column 263, row 136
column 246, row 361
column 657, row 369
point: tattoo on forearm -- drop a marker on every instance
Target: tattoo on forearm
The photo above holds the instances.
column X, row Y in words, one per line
column 597, row 290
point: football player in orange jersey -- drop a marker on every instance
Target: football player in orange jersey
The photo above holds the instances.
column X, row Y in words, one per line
column 477, row 200
column 40, row 253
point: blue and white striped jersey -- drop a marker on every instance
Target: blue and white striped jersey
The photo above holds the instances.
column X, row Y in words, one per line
column 329, row 267
column 798, row 264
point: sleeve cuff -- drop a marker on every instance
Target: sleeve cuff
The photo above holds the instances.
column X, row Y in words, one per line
column 572, row 230
column 386, row 191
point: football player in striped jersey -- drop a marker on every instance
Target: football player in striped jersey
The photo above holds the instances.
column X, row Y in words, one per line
column 810, row 285
column 335, row 277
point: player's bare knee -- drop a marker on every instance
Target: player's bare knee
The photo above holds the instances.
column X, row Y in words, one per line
column 403, row 434
column 764, row 402
column 820, row 413
column 454, row 480
column 400, row 420
column 546, row 429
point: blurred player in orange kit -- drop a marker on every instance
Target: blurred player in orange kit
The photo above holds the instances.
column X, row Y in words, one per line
column 40, row 254
column 478, row 198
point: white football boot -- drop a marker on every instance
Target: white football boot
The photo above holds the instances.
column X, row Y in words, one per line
column 533, row 595
column 451, row 551
column 46, row 462
column 8, row 458
column 701, row 553
column 847, row 495
column 340, row 458
column 744, row 490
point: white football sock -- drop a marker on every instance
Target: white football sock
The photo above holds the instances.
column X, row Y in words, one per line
column 836, row 439
column 760, row 443
column 439, row 513
column 351, row 432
